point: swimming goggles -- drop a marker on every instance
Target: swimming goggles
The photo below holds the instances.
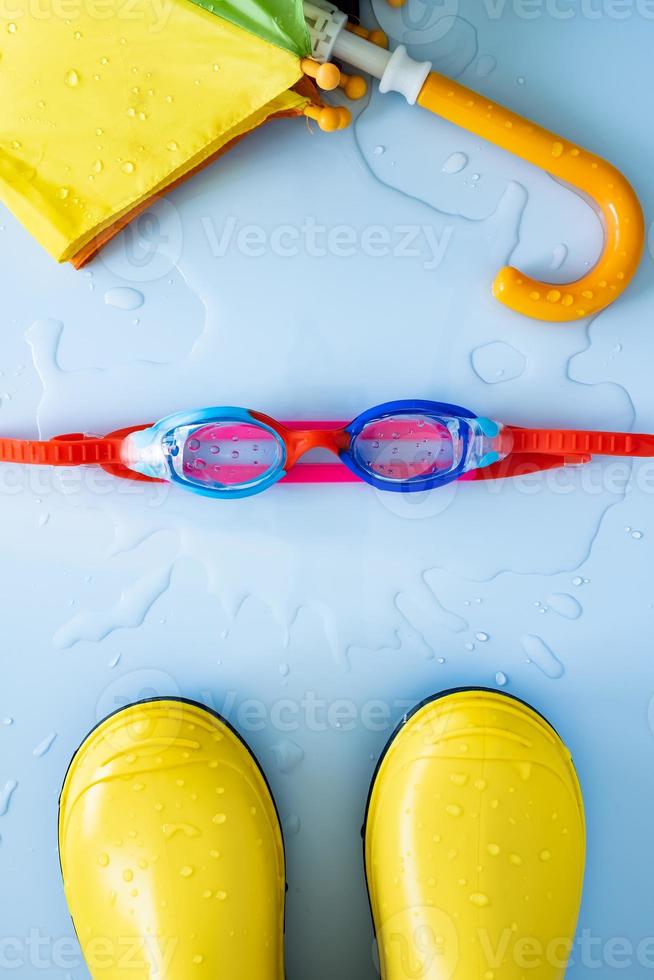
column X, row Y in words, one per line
column 405, row 446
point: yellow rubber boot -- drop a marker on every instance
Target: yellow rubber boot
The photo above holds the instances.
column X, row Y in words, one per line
column 475, row 844
column 171, row 850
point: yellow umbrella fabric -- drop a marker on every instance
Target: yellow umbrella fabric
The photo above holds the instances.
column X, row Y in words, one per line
column 106, row 103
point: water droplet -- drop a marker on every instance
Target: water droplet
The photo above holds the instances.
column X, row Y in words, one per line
column 379, row 150
column 501, row 679
column 284, row 669
column 172, row 146
column 559, row 255
column 63, row 193
column 545, row 855
column 486, row 65
column 493, row 849
column 637, row 535
column 287, row 754
column 292, row 825
column 564, row 605
column 103, row 860
column 482, row 637
column 128, row 874
column 219, row 818
column 577, row 580
column 6, row 794
column 515, row 859
column 12, row 28
column 497, row 361
column 72, row 78
column 455, row 163
column 186, row 871
column 541, row 656
column 453, row 809
column 480, row 900
column 124, row 298
column 128, row 167
column 45, row 745
column 187, row 829
column 8, row 720
column 198, row 958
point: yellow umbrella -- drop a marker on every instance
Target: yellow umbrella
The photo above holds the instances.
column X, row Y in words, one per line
column 106, row 103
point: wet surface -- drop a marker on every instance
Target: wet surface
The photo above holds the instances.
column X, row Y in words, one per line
column 314, row 276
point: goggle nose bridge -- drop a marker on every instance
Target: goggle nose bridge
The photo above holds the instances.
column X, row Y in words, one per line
column 301, row 441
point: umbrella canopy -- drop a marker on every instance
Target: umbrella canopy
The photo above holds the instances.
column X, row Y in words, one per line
column 280, row 22
column 104, row 109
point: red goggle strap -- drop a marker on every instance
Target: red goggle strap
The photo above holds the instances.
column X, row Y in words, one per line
column 525, row 464
column 570, row 442
column 70, row 450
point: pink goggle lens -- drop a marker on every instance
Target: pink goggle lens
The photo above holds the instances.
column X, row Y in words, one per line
column 407, row 447
column 229, row 454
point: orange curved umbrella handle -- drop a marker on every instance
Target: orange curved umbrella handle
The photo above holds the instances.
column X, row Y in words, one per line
column 590, row 175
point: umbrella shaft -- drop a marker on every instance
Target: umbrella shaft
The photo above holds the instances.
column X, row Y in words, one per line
column 396, row 70
column 361, row 54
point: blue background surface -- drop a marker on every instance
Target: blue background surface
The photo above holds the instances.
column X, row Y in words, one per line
column 299, row 613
